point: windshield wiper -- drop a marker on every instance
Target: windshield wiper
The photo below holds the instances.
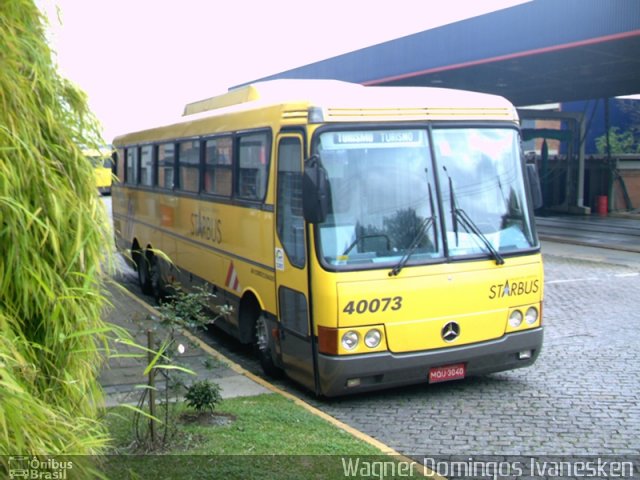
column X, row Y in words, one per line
column 425, row 226
column 470, row 226
column 458, row 215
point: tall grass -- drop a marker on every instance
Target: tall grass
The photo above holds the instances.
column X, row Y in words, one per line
column 53, row 235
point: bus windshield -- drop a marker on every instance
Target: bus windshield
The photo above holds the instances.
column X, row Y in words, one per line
column 384, row 205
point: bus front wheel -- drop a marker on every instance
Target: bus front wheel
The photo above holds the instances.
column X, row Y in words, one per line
column 261, row 338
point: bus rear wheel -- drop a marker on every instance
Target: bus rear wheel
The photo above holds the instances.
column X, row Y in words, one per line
column 261, row 342
column 144, row 261
column 160, row 289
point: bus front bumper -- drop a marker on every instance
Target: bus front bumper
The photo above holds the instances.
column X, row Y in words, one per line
column 361, row 373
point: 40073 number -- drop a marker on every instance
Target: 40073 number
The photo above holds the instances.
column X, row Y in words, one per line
column 372, row 306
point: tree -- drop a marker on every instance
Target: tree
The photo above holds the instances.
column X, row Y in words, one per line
column 53, row 235
column 620, row 142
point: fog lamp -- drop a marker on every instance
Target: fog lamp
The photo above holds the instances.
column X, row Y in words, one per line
column 525, row 354
column 353, row 382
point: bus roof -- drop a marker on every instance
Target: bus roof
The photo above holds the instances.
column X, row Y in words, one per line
column 349, row 102
column 336, row 93
column 274, row 92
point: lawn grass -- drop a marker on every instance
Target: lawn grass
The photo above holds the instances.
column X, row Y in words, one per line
column 269, row 437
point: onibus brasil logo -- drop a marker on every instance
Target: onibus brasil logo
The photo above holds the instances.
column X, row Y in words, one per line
column 34, row 468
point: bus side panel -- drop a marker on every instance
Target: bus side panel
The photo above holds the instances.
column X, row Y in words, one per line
column 227, row 246
column 103, row 177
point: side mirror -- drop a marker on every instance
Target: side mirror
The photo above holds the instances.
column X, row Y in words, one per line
column 534, row 186
column 315, row 191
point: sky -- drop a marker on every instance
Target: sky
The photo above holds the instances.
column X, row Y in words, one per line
column 141, row 61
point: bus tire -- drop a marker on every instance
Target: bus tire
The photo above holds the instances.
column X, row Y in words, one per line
column 143, row 265
column 261, row 339
column 159, row 287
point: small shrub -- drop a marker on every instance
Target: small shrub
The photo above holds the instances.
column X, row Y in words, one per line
column 184, row 311
column 203, row 395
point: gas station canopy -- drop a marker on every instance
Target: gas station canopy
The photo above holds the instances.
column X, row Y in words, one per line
column 539, row 52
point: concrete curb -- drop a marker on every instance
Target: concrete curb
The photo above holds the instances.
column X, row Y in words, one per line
column 570, row 241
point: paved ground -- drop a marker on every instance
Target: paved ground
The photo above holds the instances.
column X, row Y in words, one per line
column 582, row 396
column 123, row 375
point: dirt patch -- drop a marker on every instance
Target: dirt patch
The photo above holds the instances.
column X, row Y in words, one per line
column 218, row 419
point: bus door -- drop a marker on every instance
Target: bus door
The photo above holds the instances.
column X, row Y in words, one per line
column 291, row 262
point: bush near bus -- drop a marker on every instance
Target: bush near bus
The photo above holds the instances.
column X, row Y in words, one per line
column 52, row 238
column 359, row 237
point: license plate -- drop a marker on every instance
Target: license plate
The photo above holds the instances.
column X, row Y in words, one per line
column 447, row 372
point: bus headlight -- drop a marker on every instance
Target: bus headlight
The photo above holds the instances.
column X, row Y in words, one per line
column 350, row 340
column 372, row 338
column 531, row 316
column 515, row 319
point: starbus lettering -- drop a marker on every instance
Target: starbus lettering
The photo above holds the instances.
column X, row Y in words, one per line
column 514, row 288
column 206, row 227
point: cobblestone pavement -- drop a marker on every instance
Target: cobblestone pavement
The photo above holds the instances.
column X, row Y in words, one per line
column 582, row 397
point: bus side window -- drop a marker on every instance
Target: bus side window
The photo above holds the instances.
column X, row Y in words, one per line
column 189, row 161
column 118, row 164
column 146, row 165
column 166, row 165
column 253, row 166
column 217, row 162
column 131, row 169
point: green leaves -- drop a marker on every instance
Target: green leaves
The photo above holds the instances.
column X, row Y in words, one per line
column 53, row 235
column 203, row 395
column 620, row 142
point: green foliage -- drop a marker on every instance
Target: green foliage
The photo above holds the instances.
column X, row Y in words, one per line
column 186, row 309
column 283, row 440
column 267, row 424
column 621, row 142
column 53, row 235
column 203, row 395
column 181, row 311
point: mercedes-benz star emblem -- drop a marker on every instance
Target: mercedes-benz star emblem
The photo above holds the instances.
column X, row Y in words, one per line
column 450, row 331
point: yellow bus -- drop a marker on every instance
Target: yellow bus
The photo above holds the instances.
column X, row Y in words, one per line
column 360, row 237
column 102, row 167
